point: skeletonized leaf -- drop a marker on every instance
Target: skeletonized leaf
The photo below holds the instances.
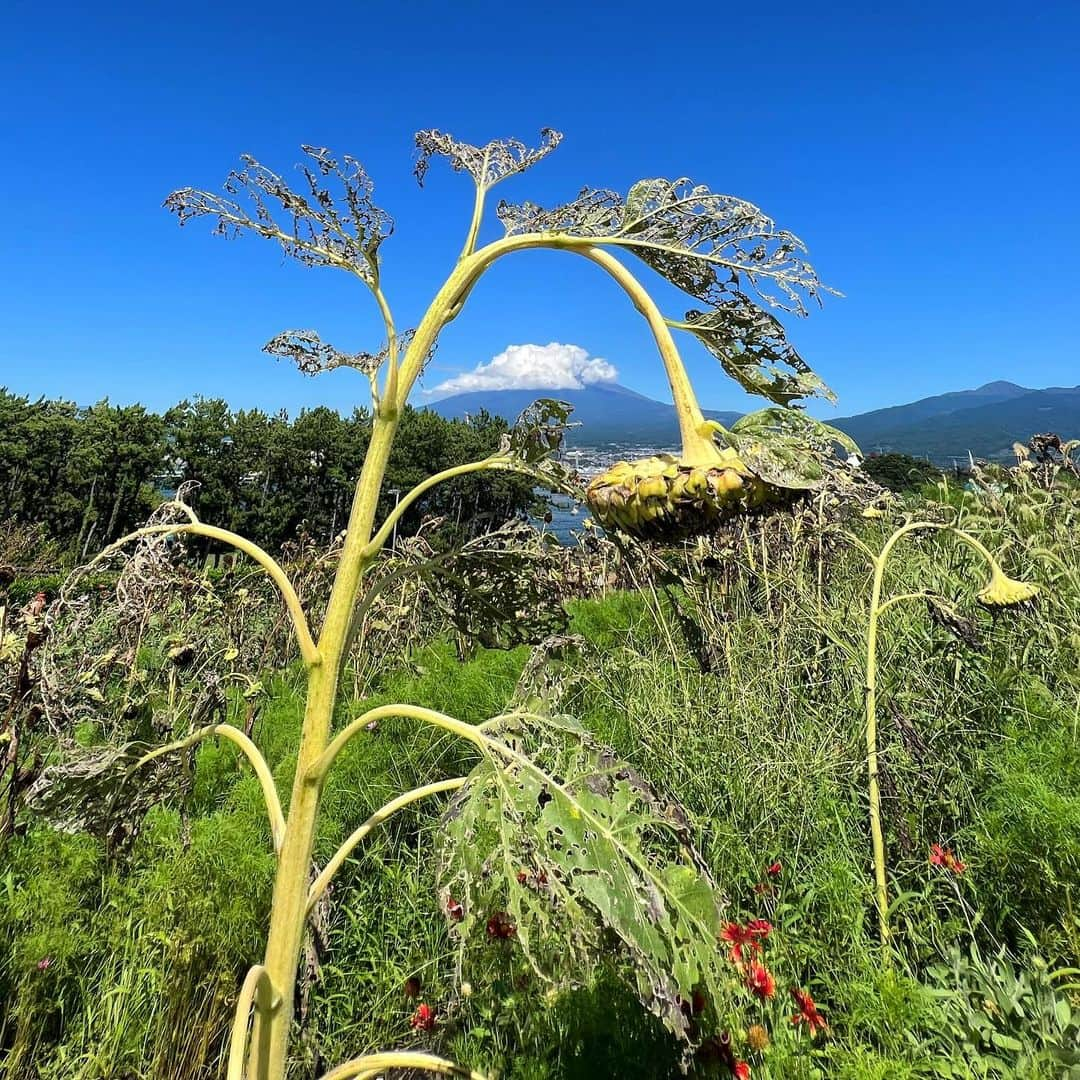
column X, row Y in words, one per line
column 313, row 356
column 705, row 243
column 560, row 847
column 487, row 164
column 751, row 346
column 505, row 588
column 331, row 225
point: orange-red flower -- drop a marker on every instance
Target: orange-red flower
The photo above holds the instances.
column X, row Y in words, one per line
column 741, row 1071
column 745, row 941
column 423, row 1019
column 759, row 928
column 808, row 1012
column 774, row 869
column 944, row 857
column 760, row 982
column 454, row 909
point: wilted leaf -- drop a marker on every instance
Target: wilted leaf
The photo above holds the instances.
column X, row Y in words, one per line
column 574, row 848
column 505, row 588
column 539, row 431
column 786, row 447
column 313, row 356
column 487, row 164
column 93, row 790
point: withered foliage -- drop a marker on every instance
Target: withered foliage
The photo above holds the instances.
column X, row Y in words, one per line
column 703, row 242
column 334, row 223
column 717, row 248
column 487, row 164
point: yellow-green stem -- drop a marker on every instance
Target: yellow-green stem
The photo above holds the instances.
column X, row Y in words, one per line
column 877, row 608
column 267, row 1058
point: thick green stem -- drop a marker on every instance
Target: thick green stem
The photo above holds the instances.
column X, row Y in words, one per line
column 269, row 1050
column 267, row 1057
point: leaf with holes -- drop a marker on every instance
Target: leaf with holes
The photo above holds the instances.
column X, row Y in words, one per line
column 336, row 223
column 567, row 848
column 787, row 448
column 487, row 164
column 707, row 244
column 753, row 349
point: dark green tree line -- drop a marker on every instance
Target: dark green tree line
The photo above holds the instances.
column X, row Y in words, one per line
column 91, row 474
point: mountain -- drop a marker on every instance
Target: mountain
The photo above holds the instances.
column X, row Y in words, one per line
column 986, row 422
column 607, row 413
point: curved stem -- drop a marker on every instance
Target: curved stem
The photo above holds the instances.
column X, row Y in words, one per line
column 251, row 752
column 386, row 529
column 901, row 598
column 257, row 990
column 372, row 1064
column 691, row 418
column 308, row 649
column 318, row 886
column 317, row 772
column 477, row 215
column 881, row 893
column 390, row 390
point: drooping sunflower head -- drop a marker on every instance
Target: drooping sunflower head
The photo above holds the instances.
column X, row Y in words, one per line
column 1004, row 591
column 663, row 497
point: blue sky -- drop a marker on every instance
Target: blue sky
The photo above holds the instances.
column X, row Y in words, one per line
column 927, row 154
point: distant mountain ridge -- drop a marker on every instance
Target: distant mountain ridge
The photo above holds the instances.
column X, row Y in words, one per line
column 607, row 413
column 985, row 421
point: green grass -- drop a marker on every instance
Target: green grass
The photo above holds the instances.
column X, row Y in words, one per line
column 753, row 719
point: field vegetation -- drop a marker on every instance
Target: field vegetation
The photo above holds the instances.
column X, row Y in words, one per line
column 774, row 776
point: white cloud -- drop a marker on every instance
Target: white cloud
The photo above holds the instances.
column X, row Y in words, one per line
column 532, row 367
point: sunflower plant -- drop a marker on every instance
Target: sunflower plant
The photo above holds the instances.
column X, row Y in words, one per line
column 551, row 844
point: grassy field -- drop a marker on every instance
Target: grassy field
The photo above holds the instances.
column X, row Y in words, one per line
column 740, row 692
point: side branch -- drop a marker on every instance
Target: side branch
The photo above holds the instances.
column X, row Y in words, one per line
column 318, row 770
column 251, row 752
column 277, row 574
column 319, row 885
column 496, row 461
column 258, row 990
column 374, row 1064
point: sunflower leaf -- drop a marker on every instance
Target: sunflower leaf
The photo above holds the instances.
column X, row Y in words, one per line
column 556, row 838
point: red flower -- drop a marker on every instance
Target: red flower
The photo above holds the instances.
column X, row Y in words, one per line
column 454, row 909
column 742, row 940
column 745, row 941
column 774, row 869
column 808, row 1012
column 423, row 1019
column 741, row 1071
column 501, row 926
column 760, row 982
column 943, row 857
